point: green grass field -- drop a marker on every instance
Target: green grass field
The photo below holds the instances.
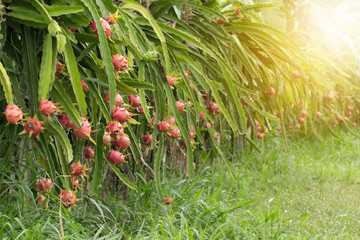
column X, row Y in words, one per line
column 308, row 191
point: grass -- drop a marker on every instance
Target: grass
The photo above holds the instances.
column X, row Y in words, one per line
column 308, row 191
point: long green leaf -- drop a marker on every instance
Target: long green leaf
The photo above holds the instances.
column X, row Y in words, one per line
column 104, row 51
column 5, row 82
column 45, row 76
column 99, row 159
column 122, row 177
column 75, row 77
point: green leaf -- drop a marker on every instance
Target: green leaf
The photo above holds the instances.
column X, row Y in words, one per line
column 104, row 51
column 57, row 10
column 122, row 177
column 60, row 95
column 75, row 77
column 5, row 82
column 157, row 164
column 45, row 76
column 99, row 159
column 60, row 135
column 28, row 18
column 136, row 6
column 138, row 84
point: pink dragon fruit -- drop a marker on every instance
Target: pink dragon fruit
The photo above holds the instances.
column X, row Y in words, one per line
column 204, row 95
column 180, row 106
column 148, row 139
column 115, row 129
column 207, row 125
column 83, row 131
column 59, row 67
column 213, row 107
column 105, row 25
column 112, row 18
column 115, row 157
column 171, row 80
column 192, row 132
column 106, row 139
column 68, row 198
column 77, row 170
column 120, row 62
column 121, row 115
column 168, row 200
column 118, row 99
column 44, row 185
column 164, row 126
column 41, row 199
column 122, row 142
column 134, row 101
column 66, row 121
column 85, row 87
column 140, row 110
column 201, row 115
column 301, row 120
column 175, row 133
column 47, row 108
column 13, row 114
column 304, row 113
column 75, row 182
column 89, row 153
column 33, row 127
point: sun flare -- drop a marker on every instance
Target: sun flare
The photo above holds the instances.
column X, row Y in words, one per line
column 337, row 23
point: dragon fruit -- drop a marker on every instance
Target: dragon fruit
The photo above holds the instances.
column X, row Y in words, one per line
column 207, row 125
column 140, row 110
column 318, row 114
column 66, row 121
column 47, row 108
column 75, row 182
column 85, row 87
column 106, row 139
column 89, row 153
column 183, row 143
column 121, row 115
column 41, row 199
column 112, row 18
column 134, row 101
column 44, row 185
column 213, row 107
column 164, row 126
column 301, row 120
column 175, row 133
column 77, row 170
column 201, row 115
column 148, row 139
column 271, row 91
column 105, row 25
column 330, row 96
column 115, row 157
column 68, row 198
column 122, row 142
column 171, row 80
column 168, row 200
column 180, row 106
column 33, row 127
column 83, row 131
column 115, row 128
column 118, row 99
column 120, row 62
column 204, row 95
column 304, row 113
column 13, row 114
column 192, row 132
column 59, row 67
column 296, row 74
